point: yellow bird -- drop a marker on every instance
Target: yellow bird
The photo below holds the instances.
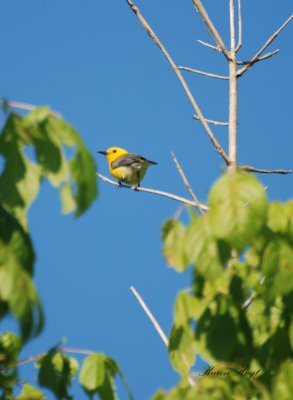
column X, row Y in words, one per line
column 126, row 167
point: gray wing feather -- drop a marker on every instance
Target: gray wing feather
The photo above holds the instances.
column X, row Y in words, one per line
column 129, row 159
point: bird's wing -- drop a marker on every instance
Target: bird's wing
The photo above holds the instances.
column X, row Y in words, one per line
column 129, row 159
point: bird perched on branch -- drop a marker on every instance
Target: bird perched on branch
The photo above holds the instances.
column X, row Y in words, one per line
column 126, row 167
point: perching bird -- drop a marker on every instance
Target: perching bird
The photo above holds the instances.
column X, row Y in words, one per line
column 126, row 167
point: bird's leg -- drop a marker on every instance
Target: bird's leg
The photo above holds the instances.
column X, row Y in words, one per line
column 138, row 182
column 119, row 185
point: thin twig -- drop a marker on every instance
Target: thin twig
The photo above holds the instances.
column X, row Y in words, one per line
column 211, row 28
column 151, row 317
column 211, row 46
column 29, row 359
column 27, row 107
column 155, row 323
column 264, row 57
column 197, row 71
column 239, row 27
column 60, row 350
column 211, row 121
column 267, row 43
column 248, row 301
column 155, row 38
column 84, row 352
column 186, row 183
column 248, row 168
column 153, row 191
column 179, row 211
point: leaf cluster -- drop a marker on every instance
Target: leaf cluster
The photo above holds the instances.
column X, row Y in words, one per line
column 238, row 313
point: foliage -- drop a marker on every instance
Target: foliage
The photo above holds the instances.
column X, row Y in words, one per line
column 97, row 377
column 36, row 147
column 241, row 248
column 237, row 315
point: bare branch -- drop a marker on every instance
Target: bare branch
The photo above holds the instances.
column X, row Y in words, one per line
column 248, row 168
column 210, row 121
column 239, row 27
column 197, row 71
column 153, row 191
column 216, row 48
column 27, row 107
column 60, row 350
column 268, row 55
column 151, row 317
column 211, row 28
column 181, row 79
column 186, row 183
column 233, row 92
column 28, row 360
column 267, row 43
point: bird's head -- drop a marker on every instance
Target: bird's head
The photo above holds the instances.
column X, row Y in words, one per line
column 113, row 153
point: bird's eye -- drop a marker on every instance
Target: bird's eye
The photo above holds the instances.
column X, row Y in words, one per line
column 114, row 151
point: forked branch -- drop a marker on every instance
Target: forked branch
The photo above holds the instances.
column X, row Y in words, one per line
column 268, row 55
column 211, row 27
column 175, row 68
column 211, row 121
column 267, row 43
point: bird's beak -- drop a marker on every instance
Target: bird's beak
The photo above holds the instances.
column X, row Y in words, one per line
column 103, row 152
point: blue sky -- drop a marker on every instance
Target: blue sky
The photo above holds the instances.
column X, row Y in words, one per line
column 93, row 62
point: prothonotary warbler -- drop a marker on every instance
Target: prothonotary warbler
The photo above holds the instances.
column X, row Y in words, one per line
column 126, row 167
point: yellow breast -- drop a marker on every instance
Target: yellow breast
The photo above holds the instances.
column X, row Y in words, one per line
column 128, row 174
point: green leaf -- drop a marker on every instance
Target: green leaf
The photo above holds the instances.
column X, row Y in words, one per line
column 216, row 332
column 238, row 209
column 291, row 334
column 182, row 391
column 173, row 236
column 14, row 236
column 92, row 374
column 184, row 308
column 73, row 171
column 283, row 383
column 203, row 250
column 30, row 393
column 67, row 199
column 36, row 116
column 20, row 179
column 18, row 293
column 277, row 266
column 182, row 348
column 56, row 372
column 10, row 347
column 289, row 212
column 277, row 217
column 83, row 172
column 259, row 322
column 97, row 377
column 113, row 369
